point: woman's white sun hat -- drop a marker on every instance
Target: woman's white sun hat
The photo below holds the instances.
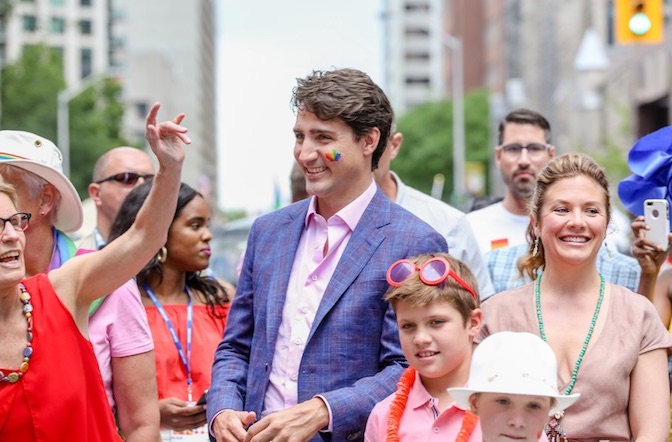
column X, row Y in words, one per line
column 513, row 363
column 41, row 157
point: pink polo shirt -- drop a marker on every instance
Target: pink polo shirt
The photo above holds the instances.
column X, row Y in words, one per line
column 420, row 421
column 311, row 273
column 118, row 329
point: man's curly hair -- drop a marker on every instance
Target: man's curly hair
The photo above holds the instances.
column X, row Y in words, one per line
column 351, row 96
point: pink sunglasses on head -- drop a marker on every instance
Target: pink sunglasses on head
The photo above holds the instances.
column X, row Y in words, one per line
column 432, row 272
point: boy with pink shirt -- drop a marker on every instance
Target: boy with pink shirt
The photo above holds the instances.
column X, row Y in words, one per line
column 436, row 303
column 437, row 310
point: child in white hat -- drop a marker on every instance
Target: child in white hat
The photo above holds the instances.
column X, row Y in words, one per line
column 512, row 387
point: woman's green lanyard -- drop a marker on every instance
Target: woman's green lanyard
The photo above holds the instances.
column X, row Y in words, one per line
column 185, row 357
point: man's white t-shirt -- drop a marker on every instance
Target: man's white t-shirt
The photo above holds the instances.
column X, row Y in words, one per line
column 496, row 227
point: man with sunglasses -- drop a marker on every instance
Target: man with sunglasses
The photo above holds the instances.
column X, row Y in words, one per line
column 310, row 344
column 524, row 149
column 115, row 174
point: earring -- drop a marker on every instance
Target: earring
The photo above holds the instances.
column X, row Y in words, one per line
column 606, row 246
column 162, row 255
column 535, row 250
column 41, row 213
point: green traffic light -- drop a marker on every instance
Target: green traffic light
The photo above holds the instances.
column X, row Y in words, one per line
column 639, row 24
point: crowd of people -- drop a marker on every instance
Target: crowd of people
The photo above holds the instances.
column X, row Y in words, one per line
column 364, row 311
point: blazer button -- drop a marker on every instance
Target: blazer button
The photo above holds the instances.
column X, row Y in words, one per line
column 354, row 436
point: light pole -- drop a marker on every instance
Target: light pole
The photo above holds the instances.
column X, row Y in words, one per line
column 455, row 45
column 63, row 116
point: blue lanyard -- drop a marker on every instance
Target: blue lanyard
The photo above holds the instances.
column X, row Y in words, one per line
column 186, row 358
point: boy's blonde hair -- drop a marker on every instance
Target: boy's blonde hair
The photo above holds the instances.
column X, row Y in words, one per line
column 419, row 294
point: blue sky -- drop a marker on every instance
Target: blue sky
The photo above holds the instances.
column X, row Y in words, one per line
column 263, row 46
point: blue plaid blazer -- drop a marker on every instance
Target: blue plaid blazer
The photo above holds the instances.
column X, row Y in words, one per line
column 353, row 357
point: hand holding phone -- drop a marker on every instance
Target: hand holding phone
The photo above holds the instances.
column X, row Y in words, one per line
column 203, row 399
column 657, row 217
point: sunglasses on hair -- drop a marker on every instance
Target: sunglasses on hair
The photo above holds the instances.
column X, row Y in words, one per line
column 432, row 272
column 127, row 178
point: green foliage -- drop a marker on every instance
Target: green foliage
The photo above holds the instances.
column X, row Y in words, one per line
column 427, row 148
column 29, row 92
column 614, row 161
column 95, row 124
column 6, row 7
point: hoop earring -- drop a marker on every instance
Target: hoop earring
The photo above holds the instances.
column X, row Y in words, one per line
column 535, row 250
column 162, row 255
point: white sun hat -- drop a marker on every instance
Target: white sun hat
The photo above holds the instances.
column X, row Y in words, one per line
column 513, row 363
column 41, row 157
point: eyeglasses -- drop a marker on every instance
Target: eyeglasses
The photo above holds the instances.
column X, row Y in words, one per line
column 534, row 150
column 433, row 272
column 19, row 221
column 127, row 178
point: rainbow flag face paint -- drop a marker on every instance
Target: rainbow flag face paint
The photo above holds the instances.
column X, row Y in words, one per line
column 333, row 155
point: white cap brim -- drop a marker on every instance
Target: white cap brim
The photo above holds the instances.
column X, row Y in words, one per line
column 70, row 214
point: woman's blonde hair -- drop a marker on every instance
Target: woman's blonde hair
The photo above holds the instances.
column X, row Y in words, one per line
column 569, row 165
column 8, row 189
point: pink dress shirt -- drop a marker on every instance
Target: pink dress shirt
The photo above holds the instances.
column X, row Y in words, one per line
column 314, row 265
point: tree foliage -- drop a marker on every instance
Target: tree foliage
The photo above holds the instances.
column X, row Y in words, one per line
column 29, row 91
column 95, row 125
column 427, row 148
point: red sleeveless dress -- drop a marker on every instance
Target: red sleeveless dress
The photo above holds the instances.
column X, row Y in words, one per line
column 61, row 397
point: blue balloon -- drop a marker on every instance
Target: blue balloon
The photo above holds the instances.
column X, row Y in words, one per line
column 650, row 161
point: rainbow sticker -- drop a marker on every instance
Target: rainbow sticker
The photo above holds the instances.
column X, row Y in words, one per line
column 499, row 243
column 333, row 155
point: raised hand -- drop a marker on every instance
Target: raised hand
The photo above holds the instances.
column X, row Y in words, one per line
column 648, row 254
column 167, row 139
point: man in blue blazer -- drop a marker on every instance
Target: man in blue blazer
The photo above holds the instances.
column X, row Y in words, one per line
column 310, row 345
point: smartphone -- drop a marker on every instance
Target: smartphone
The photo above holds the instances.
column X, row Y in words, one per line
column 657, row 216
column 203, row 398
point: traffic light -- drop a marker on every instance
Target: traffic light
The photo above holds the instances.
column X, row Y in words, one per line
column 639, row 21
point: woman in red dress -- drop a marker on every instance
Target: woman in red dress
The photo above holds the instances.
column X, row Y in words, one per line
column 186, row 310
column 50, row 384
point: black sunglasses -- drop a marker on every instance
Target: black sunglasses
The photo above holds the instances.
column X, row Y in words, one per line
column 127, row 178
